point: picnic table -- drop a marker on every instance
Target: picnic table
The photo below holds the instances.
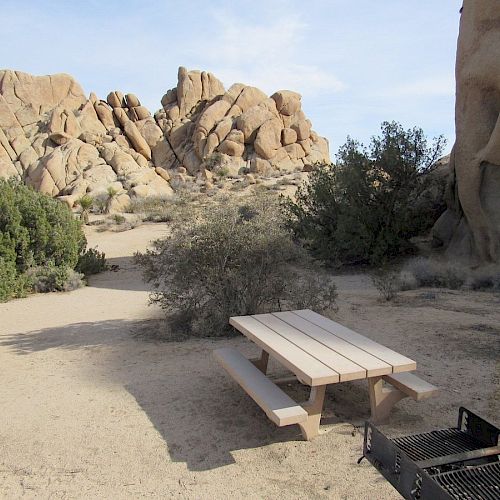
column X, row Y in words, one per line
column 319, row 352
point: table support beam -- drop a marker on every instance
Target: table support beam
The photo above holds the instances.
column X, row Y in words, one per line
column 262, row 362
column 314, row 407
column 382, row 399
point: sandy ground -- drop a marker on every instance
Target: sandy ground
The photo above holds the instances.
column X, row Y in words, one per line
column 90, row 409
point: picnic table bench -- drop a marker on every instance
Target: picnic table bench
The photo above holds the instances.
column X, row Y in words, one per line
column 319, row 352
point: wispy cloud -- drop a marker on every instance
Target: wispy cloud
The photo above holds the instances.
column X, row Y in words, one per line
column 270, row 54
column 436, row 86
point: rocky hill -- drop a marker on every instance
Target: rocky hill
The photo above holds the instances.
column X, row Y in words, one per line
column 65, row 144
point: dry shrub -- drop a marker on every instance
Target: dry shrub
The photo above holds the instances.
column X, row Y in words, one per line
column 231, row 259
column 387, row 283
column 436, row 274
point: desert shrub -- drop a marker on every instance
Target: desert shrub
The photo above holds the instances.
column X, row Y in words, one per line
column 154, row 209
column 91, row 262
column 118, row 219
column 35, row 228
column 387, row 283
column 432, row 273
column 40, row 242
column 363, row 210
column 232, row 260
column 51, row 278
column 486, row 278
column 12, row 284
column 213, row 161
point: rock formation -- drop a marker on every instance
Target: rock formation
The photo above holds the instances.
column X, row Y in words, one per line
column 64, row 144
column 470, row 227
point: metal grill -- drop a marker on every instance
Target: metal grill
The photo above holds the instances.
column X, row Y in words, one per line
column 461, row 463
column 482, row 481
column 437, row 443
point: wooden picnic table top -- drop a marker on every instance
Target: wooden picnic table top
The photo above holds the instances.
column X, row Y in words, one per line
column 320, row 351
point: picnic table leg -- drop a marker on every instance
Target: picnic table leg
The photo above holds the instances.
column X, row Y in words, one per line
column 314, row 406
column 382, row 399
column 261, row 363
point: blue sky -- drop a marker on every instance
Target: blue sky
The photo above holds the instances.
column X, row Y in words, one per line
column 356, row 63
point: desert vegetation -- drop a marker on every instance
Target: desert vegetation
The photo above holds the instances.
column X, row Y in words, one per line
column 236, row 258
column 42, row 245
column 366, row 207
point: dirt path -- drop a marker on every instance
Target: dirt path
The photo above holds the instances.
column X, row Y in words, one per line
column 88, row 409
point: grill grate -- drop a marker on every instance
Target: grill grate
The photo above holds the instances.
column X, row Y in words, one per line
column 437, row 443
column 461, row 463
column 479, row 482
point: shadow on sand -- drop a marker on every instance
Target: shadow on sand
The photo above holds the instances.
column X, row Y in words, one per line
column 202, row 415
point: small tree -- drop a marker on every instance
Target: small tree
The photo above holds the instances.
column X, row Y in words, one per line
column 86, row 202
column 363, row 210
column 112, row 192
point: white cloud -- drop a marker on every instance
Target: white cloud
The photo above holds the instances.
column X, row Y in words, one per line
column 271, row 55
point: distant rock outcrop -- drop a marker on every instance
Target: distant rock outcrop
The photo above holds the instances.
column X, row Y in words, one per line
column 470, row 228
column 64, row 144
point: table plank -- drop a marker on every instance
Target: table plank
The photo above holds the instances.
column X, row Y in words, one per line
column 399, row 362
column 343, row 366
column 307, row 368
column 372, row 366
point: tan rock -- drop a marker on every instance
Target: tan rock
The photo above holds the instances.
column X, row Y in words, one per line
column 169, row 98
column 114, row 100
column 42, row 92
column 306, row 146
column 131, row 101
column 7, row 169
column 223, row 128
column 142, row 113
column 249, row 97
column 123, row 142
column 211, row 143
column 211, row 116
column 163, row 156
column 260, row 166
column 303, row 130
column 288, row 136
column 295, row 151
column 162, row 173
column 268, row 139
column 250, row 121
column 470, row 228
column 231, row 148
column 105, row 114
column 150, row 131
column 138, row 142
column 236, row 136
column 121, row 115
column 287, row 102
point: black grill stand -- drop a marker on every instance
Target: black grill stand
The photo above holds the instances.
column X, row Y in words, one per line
column 460, row 463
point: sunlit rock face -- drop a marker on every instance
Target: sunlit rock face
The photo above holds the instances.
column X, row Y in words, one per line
column 66, row 145
column 470, row 228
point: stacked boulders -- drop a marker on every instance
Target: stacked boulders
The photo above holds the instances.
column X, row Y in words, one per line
column 64, row 144
column 243, row 124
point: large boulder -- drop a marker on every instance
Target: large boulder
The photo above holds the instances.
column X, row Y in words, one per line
column 470, row 228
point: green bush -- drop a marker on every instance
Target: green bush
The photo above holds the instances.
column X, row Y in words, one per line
column 363, row 209
column 233, row 260
column 35, row 230
column 91, row 262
